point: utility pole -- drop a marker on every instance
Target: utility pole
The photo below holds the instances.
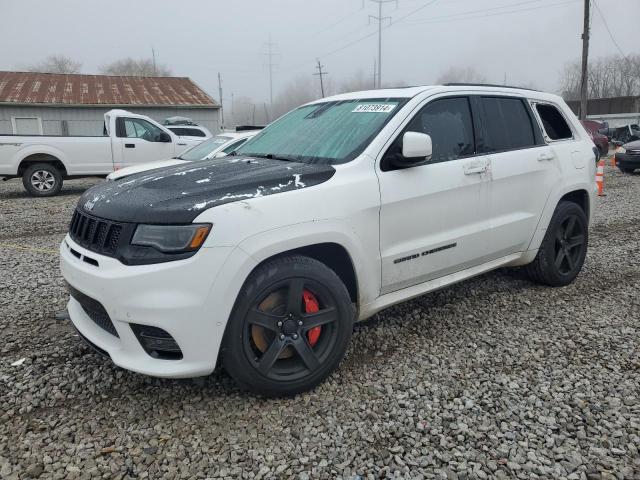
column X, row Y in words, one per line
column 380, row 19
column 270, row 55
column 374, row 72
column 584, row 82
column 233, row 111
column 221, row 106
column 320, row 74
column 153, row 56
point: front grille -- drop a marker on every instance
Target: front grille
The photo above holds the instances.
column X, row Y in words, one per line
column 94, row 310
column 95, row 234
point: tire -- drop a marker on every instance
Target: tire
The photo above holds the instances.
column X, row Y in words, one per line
column 564, row 247
column 627, row 171
column 42, row 180
column 603, row 152
column 270, row 346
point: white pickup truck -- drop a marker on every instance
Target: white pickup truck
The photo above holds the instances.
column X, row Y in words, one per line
column 43, row 162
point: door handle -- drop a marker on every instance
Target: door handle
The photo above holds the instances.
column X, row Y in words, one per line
column 545, row 156
column 181, row 144
column 129, row 145
column 474, row 168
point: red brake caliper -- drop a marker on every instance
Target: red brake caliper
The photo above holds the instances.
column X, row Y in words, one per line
column 311, row 306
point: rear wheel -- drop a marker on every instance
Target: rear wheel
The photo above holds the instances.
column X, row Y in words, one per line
column 42, row 180
column 564, row 248
column 290, row 327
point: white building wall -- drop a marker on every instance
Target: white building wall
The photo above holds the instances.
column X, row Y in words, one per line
column 90, row 120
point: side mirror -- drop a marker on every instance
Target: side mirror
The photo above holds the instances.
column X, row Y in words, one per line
column 164, row 137
column 416, row 145
column 416, row 151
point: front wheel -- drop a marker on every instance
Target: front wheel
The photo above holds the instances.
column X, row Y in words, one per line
column 290, row 327
column 564, row 247
column 42, row 180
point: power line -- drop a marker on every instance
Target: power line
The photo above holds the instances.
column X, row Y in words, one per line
column 606, row 25
column 451, row 18
column 337, row 22
column 482, row 10
column 383, row 27
column 369, row 35
column 321, row 74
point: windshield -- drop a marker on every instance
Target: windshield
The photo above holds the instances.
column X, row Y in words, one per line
column 328, row 133
column 202, row 150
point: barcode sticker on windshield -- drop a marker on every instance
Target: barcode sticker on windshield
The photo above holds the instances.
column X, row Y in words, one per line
column 373, row 108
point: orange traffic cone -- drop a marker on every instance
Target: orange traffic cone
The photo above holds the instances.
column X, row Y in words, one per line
column 600, row 178
column 614, row 160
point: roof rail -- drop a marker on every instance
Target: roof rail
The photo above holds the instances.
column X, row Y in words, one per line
column 486, row 85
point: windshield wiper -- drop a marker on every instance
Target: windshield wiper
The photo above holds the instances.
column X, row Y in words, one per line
column 270, row 156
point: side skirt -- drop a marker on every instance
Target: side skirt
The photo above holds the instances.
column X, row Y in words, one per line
column 414, row 291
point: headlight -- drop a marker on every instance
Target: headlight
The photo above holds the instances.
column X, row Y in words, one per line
column 621, row 150
column 172, row 238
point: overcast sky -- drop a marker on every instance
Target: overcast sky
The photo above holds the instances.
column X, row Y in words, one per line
column 199, row 38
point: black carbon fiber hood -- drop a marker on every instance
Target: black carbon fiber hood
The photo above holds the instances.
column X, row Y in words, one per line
column 180, row 193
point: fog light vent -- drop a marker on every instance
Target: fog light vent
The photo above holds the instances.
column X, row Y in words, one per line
column 157, row 342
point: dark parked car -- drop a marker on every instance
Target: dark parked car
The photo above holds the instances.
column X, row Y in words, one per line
column 628, row 157
column 595, row 129
column 626, row 134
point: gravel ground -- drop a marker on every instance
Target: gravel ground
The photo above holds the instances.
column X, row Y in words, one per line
column 492, row 378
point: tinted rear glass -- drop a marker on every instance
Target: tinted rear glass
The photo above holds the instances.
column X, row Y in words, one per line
column 187, row 132
column 507, row 124
column 553, row 122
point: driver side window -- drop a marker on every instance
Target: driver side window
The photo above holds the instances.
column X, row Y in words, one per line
column 138, row 128
column 448, row 122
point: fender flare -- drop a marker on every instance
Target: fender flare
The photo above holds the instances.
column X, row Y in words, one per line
column 553, row 201
column 265, row 245
column 40, row 150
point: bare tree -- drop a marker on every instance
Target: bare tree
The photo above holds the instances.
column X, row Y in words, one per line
column 300, row 90
column 56, row 64
column 143, row 67
column 461, row 75
column 611, row 76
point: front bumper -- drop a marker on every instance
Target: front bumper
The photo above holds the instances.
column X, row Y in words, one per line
column 183, row 298
column 624, row 160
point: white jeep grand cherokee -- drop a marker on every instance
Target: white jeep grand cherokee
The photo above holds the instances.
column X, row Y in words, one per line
column 264, row 260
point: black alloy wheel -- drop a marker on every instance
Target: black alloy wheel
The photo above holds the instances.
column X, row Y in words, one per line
column 564, row 247
column 569, row 244
column 290, row 327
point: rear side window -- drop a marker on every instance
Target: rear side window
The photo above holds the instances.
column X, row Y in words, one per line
column 507, row 124
column 448, row 122
column 553, row 122
column 187, row 132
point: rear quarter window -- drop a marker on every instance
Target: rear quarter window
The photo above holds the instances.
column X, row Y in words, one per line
column 554, row 124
